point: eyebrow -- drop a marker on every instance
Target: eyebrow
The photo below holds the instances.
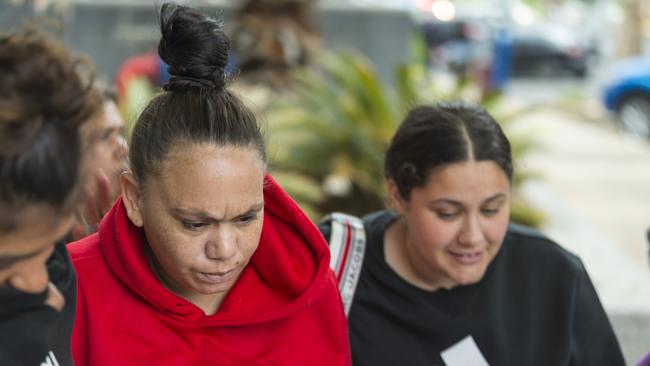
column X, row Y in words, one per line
column 495, row 198
column 458, row 203
column 99, row 133
column 204, row 215
column 7, row 261
column 112, row 129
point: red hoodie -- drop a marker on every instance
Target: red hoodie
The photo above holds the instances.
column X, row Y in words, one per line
column 284, row 309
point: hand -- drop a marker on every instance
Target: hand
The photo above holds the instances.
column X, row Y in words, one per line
column 54, row 297
column 97, row 201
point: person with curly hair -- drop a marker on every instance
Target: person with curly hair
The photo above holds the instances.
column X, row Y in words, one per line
column 45, row 98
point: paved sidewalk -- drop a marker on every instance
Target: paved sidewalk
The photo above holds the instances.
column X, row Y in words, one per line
column 596, row 193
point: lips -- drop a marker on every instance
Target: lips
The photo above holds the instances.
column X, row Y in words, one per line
column 467, row 257
column 217, row 277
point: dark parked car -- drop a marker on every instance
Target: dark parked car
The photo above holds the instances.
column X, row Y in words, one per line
column 458, row 44
column 548, row 51
column 627, row 94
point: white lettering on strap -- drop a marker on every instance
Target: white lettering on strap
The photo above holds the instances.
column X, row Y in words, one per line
column 347, row 247
column 50, row 360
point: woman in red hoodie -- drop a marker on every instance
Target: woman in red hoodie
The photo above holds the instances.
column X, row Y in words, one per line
column 204, row 260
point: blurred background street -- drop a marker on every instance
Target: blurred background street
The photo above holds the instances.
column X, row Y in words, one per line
column 593, row 185
column 568, row 79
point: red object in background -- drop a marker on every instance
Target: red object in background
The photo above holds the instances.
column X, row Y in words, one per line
column 425, row 5
column 145, row 65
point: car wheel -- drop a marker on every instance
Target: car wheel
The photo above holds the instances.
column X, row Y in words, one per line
column 634, row 115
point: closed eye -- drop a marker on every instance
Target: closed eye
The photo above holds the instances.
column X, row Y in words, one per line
column 447, row 215
column 194, row 226
column 490, row 211
column 111, row 133
column 106, row 135
column 246, row 219
column 493, row 205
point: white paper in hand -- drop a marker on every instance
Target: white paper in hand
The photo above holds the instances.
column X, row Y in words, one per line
column 464, row 353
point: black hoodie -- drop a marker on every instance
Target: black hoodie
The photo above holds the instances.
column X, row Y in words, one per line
column 535, row 306
column 32, row 333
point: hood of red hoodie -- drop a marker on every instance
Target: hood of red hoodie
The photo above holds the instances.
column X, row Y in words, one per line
column 288, row 271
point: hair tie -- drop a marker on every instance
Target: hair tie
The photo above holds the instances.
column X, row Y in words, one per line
column 176, row 82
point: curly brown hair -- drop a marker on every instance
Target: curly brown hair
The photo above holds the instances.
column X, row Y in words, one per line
column 46, row 94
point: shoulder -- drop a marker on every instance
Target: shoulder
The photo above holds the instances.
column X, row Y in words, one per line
column 329, row 224
column 375, row 225
column 85, row 248
column 378, row 221
column 530, row 247
column 371, row 223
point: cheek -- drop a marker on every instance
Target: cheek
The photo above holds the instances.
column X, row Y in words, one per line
column 432, row 232
column 34, row 269
column 495, row 230
column 104, row 157
column 251, row 239
column 167, row 242
column 103, row 152
column 184, row 250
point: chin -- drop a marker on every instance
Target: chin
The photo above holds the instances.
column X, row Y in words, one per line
column 213, row 289
column 471, row 278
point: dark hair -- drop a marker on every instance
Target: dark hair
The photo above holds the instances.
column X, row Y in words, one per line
column 444, row 133
column 195, row 107
column 45, row 95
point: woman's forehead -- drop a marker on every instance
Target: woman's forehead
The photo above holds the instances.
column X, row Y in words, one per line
column 475, row 176
column 196, row 175
column 183, row 151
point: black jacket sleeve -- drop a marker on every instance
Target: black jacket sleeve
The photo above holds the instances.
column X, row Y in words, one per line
column 26, row 327
column 325, row 227
column 32, row 332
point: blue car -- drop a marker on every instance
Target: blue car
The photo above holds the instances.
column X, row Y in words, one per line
column 627, row 95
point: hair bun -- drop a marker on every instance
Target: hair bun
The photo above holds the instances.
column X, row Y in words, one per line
column 194, row 46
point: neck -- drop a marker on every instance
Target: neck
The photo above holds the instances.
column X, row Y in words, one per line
column 210, row 304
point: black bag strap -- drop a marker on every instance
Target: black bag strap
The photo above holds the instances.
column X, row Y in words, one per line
column 347, row 244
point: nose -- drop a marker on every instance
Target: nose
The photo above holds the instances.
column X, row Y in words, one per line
column 223, row 244
column 471, row 233
column 30, row 277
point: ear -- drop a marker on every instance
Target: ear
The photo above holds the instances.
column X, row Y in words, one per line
column 132, row 198
column 395, row 197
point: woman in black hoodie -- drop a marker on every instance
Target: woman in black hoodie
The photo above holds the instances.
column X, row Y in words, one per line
column 446, row 279
column 44, row 100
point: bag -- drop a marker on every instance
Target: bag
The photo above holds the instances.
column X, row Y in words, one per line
column 347, row 244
